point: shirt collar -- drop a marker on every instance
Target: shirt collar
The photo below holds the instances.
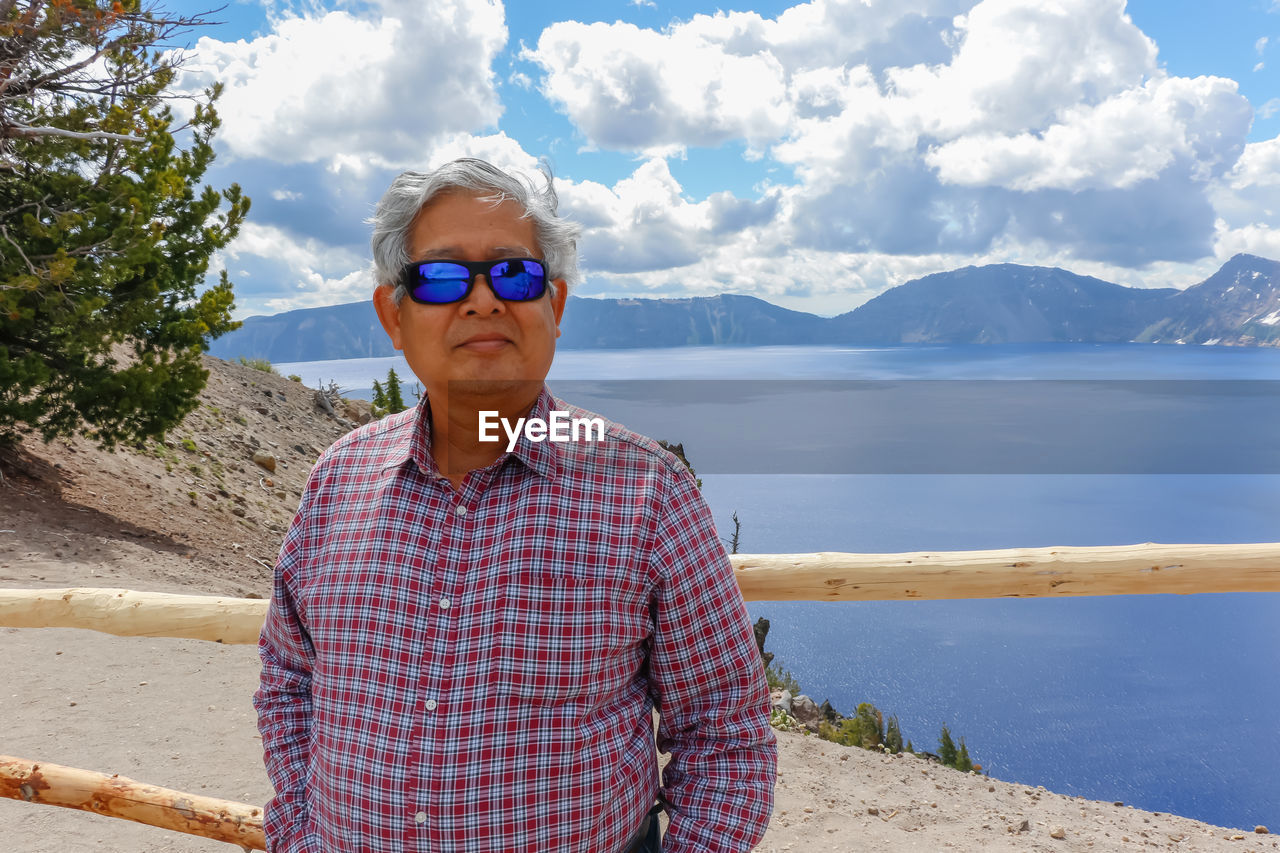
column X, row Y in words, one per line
column 539, row 456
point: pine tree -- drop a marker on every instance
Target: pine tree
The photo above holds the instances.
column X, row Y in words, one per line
column 395, row 402
column 963, row 762
column 893, row 735
column 946, row 747
column 870, row 726
column 107, row 232
column 378, row 406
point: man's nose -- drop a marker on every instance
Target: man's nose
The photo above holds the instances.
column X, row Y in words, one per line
column 482, row 299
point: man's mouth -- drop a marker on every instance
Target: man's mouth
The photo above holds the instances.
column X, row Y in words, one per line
column 485, row 343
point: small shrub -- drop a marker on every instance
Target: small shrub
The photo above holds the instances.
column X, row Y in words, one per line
column 781, row 720
column 781, row 679
column 293, row 377
column 259, row 364
column 189, row 445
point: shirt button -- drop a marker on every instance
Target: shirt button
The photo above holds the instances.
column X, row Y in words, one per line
column 460, row 510
column 420, row 817
column 431, row 704
column 444, row 604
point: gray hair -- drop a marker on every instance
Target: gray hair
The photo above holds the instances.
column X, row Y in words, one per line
column 411, row 191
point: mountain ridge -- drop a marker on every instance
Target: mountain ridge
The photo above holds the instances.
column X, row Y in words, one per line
column 1239, row 305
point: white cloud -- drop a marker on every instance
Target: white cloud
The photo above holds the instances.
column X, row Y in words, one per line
column 306, row 271
column 375, row 85
column 1260, row 45
column 1259, row 165
column 353, row 287
column 1131, row 137
column 632, row 88
column 642, row 223
column 1255, row 239
column 1015, row 119
column 723, row 76
column 1019, row 64
column 499, row 149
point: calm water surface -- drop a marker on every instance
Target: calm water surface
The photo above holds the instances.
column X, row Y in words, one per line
column 1169, row 703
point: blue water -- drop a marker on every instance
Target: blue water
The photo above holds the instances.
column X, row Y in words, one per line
column 1165, row 702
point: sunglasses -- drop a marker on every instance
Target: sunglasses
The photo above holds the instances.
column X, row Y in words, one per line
column 443, row 282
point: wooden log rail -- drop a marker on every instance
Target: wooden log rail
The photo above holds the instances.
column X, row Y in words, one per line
column 116, row 796
column 127, row 613
column 1147, row 569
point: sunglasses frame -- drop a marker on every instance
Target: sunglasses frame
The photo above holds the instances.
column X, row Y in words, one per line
column 409, row 277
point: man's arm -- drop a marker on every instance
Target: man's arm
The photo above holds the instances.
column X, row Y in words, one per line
column 283, row 702
column 709, row 679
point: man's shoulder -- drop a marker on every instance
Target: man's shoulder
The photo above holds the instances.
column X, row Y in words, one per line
column 374, row 444
column 620, row 445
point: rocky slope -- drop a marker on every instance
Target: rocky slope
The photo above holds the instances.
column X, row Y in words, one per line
column 199, row 496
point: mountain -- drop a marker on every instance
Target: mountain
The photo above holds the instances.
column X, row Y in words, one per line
column 353, row 330
column 1238, row 305
column 1001, row 303
column 724, row 320
column 308, row 334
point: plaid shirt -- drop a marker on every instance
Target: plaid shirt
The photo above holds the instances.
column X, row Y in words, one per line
column 476, row 670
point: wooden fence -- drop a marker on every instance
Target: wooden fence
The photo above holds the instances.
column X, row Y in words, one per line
column 1146, row 569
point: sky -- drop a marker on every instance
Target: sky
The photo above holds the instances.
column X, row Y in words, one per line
column 811, row 154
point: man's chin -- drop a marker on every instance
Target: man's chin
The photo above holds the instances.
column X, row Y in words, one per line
column 493, row 388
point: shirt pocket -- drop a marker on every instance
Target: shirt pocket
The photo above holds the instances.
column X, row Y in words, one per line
column 564, row 638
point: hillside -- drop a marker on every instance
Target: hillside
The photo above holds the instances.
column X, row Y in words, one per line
column 207, row 518
column 195, row 509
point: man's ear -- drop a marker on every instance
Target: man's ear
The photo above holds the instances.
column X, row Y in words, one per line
column 559, row 295
column 388, row 313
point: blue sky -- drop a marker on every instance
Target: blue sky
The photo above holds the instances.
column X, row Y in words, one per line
column 812, row 154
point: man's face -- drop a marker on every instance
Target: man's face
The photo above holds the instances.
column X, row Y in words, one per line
column 501, row 344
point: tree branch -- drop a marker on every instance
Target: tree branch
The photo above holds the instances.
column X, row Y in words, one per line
column 18, row 131
column 30, row 266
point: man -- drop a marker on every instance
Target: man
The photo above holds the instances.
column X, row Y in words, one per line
column 466, row 642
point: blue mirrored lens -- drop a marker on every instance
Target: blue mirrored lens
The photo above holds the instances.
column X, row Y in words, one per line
column 441, row 282
column 518, row 280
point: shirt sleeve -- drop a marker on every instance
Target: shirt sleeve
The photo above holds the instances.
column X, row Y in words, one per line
column 283, row 700
column 711, row 692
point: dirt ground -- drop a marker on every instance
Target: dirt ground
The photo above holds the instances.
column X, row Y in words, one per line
column 198, row 514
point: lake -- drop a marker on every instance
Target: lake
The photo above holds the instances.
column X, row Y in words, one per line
column 1168, row 703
